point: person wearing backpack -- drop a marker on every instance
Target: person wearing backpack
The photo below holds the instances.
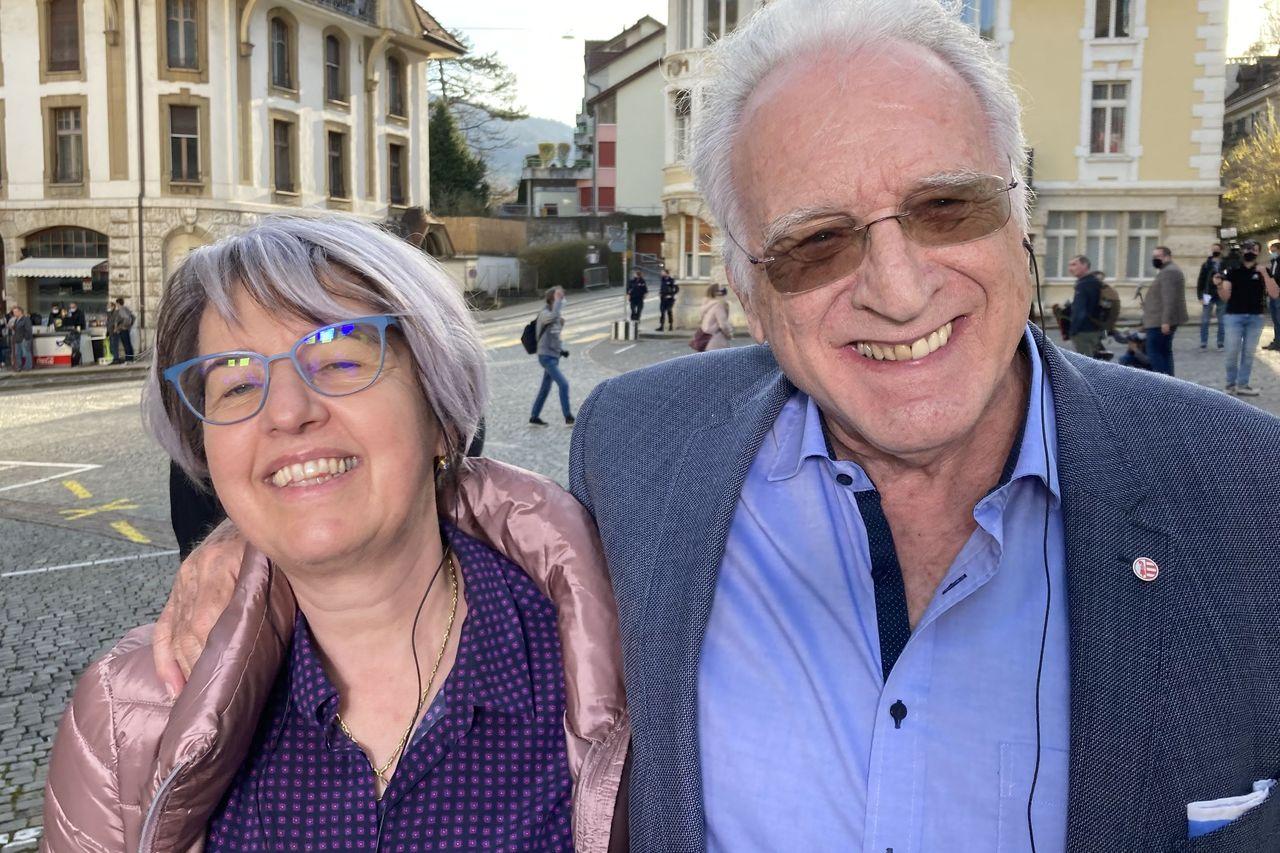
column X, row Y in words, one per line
column 1164, row 309
column 1086, row 327
column 547, row 328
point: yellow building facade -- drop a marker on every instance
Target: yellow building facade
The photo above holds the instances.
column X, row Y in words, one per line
column 1122, row 108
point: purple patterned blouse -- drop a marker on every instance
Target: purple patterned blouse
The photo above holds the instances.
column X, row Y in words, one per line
column 486, row 769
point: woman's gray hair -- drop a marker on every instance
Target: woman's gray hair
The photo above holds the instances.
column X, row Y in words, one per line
column 298, row 267
column 787, row 30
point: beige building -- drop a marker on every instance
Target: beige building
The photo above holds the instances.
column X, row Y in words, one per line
column 1123, row 108
column 122, row 148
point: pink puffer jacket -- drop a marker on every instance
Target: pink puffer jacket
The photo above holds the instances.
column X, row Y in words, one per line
column 132, row 770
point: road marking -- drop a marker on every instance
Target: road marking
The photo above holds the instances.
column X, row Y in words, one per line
column 624, row 349
column 128, row 531
column 76, row 489
column 590, row 339
column 73, row 471
column 114, row 506
column 88, row 563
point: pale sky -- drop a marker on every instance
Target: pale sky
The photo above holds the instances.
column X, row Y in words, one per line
column 530, row 39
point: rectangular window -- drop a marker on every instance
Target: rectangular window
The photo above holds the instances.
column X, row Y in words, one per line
column 608, row 199
column 64, row 35
column 1102, row 240
column 333, row 88
column 981, row 15
column 184, row 143
column 282, row 155
column 337, row 165
column 69, row 146
column 395, row 87
column 1060, row 236
column 722, row 17
column 683, row 103
column 395, row 173
column 607, row 111
column 1106, row 134
column 180, row 33
column 684, row 9
column 1144, row 235
column 608, row 155
column 1111, row 19
column 714, row 30
column 280, row 54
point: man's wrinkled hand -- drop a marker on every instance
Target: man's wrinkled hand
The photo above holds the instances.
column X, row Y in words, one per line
column 202, row 588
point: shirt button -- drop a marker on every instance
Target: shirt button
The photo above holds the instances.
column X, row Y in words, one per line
column 844, row 479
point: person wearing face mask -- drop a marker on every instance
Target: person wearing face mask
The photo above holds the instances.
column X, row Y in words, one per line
column 1164, row 309
column 1244, row 290
column 1273, row 305
column 1207, row 293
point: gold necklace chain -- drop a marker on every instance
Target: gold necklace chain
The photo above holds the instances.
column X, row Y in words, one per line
column 381, row 772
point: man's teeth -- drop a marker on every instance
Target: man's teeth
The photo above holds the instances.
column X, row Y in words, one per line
column 932, row 342
column 313, row 472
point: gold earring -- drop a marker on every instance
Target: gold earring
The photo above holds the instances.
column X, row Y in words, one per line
column 442, row 467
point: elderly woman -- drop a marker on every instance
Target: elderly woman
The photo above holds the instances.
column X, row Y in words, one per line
column 421, row 650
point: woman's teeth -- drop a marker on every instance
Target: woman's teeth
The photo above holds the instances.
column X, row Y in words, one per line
column 932, row 342
column 313, row 472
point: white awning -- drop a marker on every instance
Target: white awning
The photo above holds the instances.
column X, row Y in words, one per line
column 54, row 267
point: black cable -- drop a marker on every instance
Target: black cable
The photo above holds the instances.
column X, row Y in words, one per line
column 1048, row 582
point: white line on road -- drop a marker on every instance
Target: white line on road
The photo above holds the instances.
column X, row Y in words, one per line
column 43, row 569
column 66, row 470
column 624, row 349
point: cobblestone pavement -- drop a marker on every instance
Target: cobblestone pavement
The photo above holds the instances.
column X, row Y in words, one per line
column 86, row 551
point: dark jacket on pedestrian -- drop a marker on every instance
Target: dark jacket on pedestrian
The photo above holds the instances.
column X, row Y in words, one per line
column 22, row 329
column 1084, row 305
column 668, row 290
column 1204, row 283
column 637, row 288
column 74, row 320
column 1166, row 300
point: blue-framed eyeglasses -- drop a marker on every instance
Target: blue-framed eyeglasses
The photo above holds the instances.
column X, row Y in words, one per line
column 334, row 360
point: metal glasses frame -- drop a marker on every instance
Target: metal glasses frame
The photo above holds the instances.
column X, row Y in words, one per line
column 379, row 321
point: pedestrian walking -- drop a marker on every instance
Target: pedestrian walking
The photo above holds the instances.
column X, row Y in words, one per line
column 715, row 318
column 1164, row 309
column 1244, row 289
column 549, row 325
column 8, row 356
column 1207, row 293
column 1085, row 330
column 22, row 338
column 637, row 288
column 119, row 327
column 1273, row 305
column 73, row 325
column 667, row 292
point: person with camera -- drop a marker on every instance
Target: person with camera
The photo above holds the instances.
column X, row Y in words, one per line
column 1244, row 289
column 549, row 326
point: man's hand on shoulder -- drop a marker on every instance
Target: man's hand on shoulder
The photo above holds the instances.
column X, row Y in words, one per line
column 201, row 589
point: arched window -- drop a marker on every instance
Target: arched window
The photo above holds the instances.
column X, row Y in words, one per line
column 281, row 53
column 66, row 242
column 395, row 86
column 181, row 34
column 335, row 72
column 64, row 35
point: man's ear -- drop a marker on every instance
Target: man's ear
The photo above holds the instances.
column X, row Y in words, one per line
column 749, row 305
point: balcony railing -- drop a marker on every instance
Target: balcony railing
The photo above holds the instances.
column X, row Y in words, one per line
column 365, row 10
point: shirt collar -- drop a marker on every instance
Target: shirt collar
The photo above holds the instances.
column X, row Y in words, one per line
column 491, row 670
column 799, row 436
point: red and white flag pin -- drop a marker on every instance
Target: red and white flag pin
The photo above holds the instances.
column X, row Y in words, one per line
column 1146, row 569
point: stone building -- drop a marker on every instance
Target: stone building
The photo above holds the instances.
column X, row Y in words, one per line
column 229, row 110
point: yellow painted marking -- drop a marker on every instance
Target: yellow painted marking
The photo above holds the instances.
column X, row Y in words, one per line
column 76, row 489
column 128, row 531
column 114, row 506
column 590, row 339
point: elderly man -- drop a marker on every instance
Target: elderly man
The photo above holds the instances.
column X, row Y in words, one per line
column 1164, row 309
column 919, row 581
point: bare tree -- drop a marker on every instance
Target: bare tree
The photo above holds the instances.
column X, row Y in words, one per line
column 480, row 92
column 1268, row 41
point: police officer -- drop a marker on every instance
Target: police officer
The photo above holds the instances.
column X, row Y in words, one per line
column 667, row 301
column 637, row 288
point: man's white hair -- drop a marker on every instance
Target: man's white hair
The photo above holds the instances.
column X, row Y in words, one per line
column 787, row 30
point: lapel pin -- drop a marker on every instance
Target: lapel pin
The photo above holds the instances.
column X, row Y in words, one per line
column 1146, row 569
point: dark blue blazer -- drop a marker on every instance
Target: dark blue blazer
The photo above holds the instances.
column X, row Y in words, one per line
column 1175, row 684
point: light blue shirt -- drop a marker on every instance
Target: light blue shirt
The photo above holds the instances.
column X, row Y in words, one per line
column 799, row 749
